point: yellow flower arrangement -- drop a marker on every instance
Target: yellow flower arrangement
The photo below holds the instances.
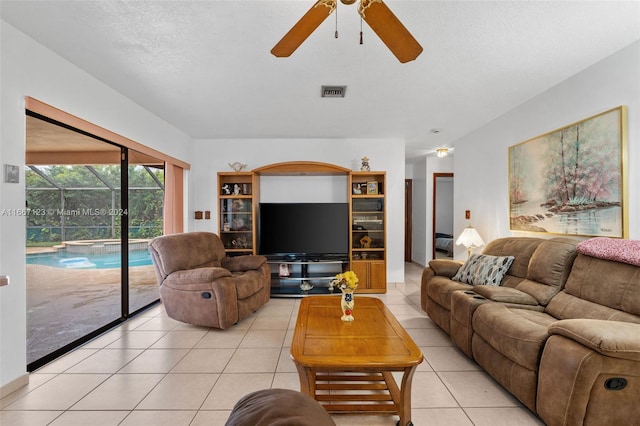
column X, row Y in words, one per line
column 345, row 281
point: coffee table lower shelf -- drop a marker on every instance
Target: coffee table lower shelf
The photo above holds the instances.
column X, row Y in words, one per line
column 381, row 393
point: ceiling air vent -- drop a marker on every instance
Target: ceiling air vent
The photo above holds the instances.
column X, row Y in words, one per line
column 333, row 91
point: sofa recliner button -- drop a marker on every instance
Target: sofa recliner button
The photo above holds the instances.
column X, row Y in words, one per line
column 206, row 295
column 615, row 383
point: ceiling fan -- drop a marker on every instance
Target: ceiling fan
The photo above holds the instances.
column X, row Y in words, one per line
column 374, row 12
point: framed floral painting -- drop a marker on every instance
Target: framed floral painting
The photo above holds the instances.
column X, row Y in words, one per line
column 572, row 181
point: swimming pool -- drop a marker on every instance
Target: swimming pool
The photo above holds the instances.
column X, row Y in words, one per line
column 61, row 259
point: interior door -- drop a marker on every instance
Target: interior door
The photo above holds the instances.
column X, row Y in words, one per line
column 408, row 211
column 442, row 214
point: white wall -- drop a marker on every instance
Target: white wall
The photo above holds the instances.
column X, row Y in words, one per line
column 481, row 159
column 304, row 189
column 212, row 156
column 419, row 222
column 29, row 69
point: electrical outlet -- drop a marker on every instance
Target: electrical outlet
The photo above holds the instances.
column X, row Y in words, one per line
column 467, row 214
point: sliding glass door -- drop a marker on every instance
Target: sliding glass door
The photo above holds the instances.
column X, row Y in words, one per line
column 146, row 204
column 91, row 214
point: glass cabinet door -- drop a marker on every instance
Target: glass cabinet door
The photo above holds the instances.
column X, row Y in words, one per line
column 236, row 224
column 367, row 228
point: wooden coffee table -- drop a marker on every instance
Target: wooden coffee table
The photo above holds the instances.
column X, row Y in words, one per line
column 347, row 366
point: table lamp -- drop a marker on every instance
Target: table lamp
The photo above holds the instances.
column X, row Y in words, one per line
column 470, row 239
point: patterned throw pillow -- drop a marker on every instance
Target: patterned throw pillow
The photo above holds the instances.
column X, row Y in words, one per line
column 483, row 269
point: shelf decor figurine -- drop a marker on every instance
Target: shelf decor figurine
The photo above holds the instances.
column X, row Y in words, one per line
column 237, row 166
column 365, row 165
column 284, row 270
column 347, row 282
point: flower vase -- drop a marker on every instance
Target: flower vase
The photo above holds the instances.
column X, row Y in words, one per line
column 346, row 303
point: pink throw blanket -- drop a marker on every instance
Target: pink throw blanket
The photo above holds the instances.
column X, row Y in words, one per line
column 625, row 251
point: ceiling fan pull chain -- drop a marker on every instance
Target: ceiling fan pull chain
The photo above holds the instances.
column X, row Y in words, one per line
column 361, row 41
column 336, row 22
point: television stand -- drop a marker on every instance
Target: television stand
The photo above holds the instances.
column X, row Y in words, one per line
column 304, row 276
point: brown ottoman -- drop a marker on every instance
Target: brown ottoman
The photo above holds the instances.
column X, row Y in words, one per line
column 278, row 407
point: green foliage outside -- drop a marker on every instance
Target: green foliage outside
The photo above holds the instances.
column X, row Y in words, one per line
column 83, row 207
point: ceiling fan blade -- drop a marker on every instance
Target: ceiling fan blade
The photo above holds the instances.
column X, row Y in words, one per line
column 303, row 28
column 390, row 30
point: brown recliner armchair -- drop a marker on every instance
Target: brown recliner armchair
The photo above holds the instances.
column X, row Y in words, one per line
column 199, row 285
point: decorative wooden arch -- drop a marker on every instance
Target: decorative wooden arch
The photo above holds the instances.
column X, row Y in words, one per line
column 302, row 168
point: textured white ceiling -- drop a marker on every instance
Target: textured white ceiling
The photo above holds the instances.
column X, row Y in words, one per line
column 205, row 66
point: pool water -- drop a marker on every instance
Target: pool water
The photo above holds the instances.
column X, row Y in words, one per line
column 88, row 261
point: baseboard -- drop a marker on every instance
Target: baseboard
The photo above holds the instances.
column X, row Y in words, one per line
column 415, row 262
column 14, row 385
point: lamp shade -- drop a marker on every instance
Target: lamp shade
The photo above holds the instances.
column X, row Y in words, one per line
column 470, row 238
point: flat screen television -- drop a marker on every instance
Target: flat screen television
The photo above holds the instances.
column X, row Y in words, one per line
column 303, row 229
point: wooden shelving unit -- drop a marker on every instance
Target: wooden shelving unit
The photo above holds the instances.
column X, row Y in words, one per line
column 238, row 198
column 368, row 230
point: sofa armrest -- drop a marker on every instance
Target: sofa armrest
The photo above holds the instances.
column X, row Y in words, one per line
column 616, row 339
column 445, row 267
column 505, row 295
column 243, row 263
column 196, row 276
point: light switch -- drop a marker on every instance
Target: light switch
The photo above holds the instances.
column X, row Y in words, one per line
column 4, row 280
column 467, row 214
column 11, row 173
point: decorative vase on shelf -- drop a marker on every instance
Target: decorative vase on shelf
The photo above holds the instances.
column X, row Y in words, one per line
column 347, row 303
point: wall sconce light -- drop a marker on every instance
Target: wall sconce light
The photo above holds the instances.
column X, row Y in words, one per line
column 442, row 152
column 470, row 239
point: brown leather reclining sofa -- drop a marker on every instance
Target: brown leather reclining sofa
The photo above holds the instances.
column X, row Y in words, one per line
column 561, row 332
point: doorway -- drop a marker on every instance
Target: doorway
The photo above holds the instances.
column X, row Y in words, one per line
column 442, row 243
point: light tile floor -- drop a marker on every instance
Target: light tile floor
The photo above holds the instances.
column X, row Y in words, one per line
column 155, row 371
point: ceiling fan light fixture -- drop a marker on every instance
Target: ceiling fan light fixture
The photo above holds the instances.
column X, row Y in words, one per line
column 442, row 152
column 374, row 12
